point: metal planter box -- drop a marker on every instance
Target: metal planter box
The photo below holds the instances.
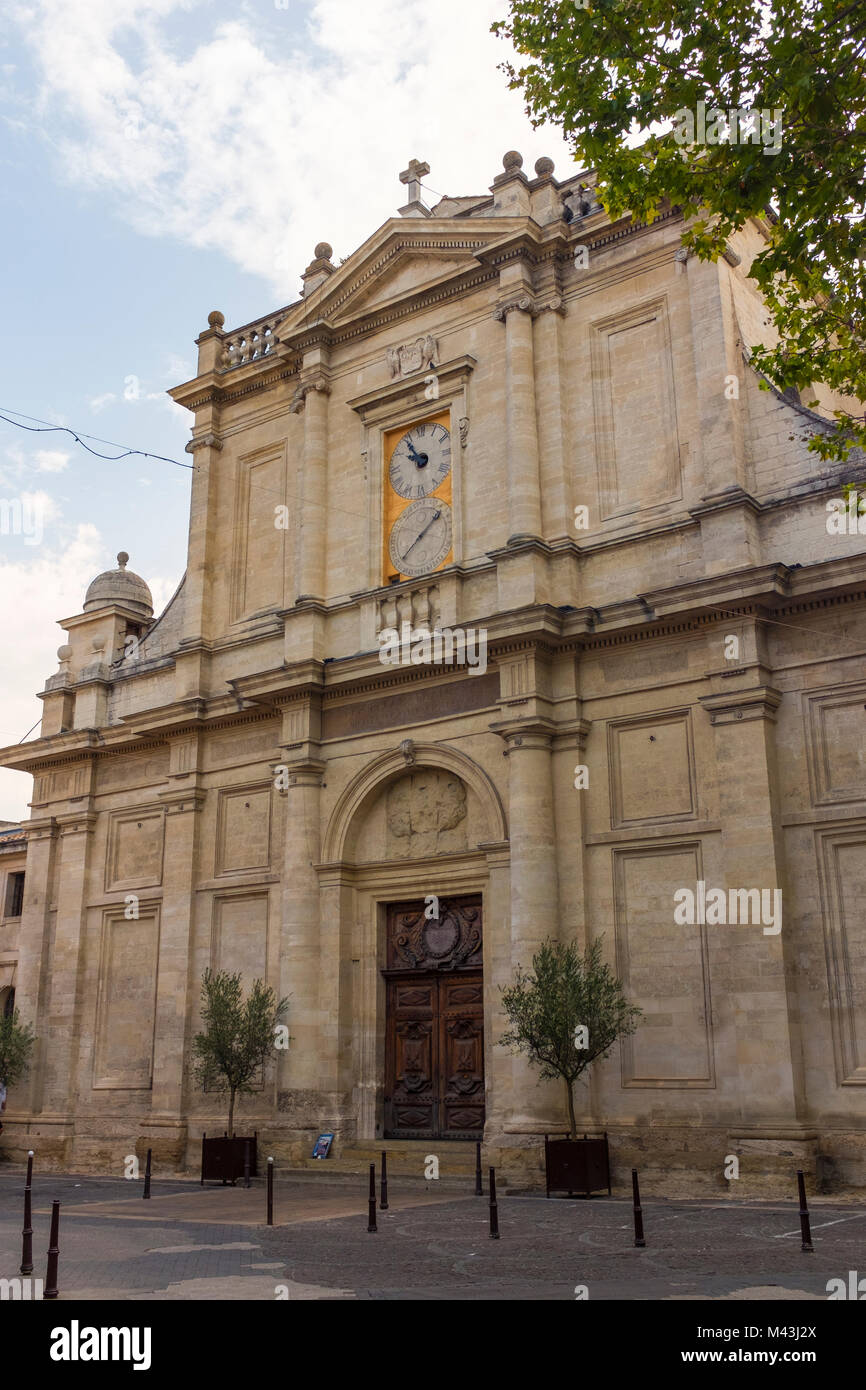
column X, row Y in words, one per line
column 222, row 1160
column 577, row 1165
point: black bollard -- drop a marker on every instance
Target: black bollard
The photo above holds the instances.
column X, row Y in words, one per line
column 371, row 1205
column 805, row 1228
column 246, row 1163
column 639, row 1241
column 494, row 1210
column 479, row 1189
column 270, row 1192
column 50, row 1290
column 203, row 1137
column 146, row 1192
column 27, row 1233
column 383, row 1201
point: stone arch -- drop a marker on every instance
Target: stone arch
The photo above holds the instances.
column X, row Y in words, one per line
column 370, row 781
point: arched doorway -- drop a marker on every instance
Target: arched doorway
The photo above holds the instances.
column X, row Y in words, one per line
column 418, row 821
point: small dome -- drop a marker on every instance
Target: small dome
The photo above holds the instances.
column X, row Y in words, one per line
column 120, row 586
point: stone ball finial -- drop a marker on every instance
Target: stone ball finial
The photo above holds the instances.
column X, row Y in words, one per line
column 324, row 252
column 122, row 559
column 64, row 652
column 544, row 166
column 512, row 159
column 215, row 319
column 97, row 644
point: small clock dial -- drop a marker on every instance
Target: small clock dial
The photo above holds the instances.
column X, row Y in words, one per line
column 421, row 461
column 421, row 537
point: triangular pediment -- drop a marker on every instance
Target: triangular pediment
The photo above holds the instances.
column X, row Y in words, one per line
column 404, row 258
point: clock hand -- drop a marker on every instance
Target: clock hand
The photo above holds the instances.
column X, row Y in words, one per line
column 434, row 517
column 419, row 460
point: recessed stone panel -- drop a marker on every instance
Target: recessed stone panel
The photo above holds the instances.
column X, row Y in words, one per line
column 652, row 769
column 135, row 849
column 126, row 1001
column 837, row 743
column 635, row 410
column 243, row 829
column 842, row 858
column 240, row 935
column 258, row 583
column 664, row 969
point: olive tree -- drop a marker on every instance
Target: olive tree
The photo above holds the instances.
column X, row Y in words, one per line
column 566, row 1013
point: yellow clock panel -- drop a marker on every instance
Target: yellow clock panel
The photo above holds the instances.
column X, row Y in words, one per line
column 417, row 535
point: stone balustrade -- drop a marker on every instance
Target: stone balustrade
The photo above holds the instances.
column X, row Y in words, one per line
column 251, row 343
column 418, row 606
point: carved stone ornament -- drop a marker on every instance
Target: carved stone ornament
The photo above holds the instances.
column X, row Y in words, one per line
column 407, row 750
column 451, row 941
column 304, row 389
column 463, row 426
column 412, row 357
column 204, row 441
column 426, row 814
column 524, row 303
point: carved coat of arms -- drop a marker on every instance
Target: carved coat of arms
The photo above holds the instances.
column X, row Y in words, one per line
column 412, row 357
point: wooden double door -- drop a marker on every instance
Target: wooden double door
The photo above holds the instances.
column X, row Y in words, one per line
column 434, row 1046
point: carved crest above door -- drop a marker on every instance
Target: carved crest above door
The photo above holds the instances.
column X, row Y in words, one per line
column 450, row 940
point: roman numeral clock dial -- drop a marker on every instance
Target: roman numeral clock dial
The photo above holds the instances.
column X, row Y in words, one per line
column 421, row 461
column 417, row 538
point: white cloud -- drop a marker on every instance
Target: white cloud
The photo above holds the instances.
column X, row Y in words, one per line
column 98, row 403
column 19, row 465
column 47, row 584
column 258, row 141
column 51, row 460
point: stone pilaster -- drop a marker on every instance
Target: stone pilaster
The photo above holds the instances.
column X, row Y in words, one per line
column 727, row 513
column 202, row 562
column 554, row 475
column 569, row 755
column 314, row 390
column 752, row 967
column 300, row 774
column 300, row 942
column 524, row 484
column 498, row 1065
column 534, row 888
column 62, row 1028
column 176, row 993
column 32, row 979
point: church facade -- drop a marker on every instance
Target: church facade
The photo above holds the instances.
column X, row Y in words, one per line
column 514, row 609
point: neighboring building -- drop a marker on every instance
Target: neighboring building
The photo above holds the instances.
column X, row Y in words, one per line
column 471, row 424
column 13, row 853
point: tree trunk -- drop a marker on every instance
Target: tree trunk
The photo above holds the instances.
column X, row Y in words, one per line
column 571, row 1119
column 232, row 1113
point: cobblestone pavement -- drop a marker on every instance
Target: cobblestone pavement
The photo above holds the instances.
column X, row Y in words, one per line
column 190, row 1242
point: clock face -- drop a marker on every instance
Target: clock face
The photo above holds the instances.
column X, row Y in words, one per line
column 421, row 461
column 421, row 537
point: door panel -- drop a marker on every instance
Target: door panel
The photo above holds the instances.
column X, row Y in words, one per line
column 461, row 1049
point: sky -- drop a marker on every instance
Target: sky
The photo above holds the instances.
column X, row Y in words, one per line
column 160, row 159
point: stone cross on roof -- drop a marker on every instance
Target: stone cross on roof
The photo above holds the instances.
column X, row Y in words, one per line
column 413, row 176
